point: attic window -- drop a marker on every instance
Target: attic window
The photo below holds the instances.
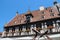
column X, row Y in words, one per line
column 51, row 14
column 42, row 12
column 28, row 18
column 15, row 22
column 50, row 10
column 42, row 17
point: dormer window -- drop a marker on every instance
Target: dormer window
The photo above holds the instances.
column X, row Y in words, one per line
column 50, row 10
column 42, row 12
column 28, row 18
column 42, row 17
column 15, row 22
column 51, row 14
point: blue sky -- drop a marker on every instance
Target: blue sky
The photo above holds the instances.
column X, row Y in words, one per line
column 8, row 8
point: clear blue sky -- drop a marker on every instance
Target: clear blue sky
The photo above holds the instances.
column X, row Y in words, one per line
column 8, row 8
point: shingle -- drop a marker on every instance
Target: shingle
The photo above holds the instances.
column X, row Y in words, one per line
column 37, row 14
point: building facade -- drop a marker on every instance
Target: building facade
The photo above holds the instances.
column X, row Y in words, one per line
column 41, row 20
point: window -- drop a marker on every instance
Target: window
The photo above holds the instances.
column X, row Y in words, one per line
column 43, row 25
column 28, row 18
column 15, row 22
column 49, row 23
column 51, row 14
column 24, row 28
column 16, row 28
column 50, row 10
column 59, row 24
column 6, row 29
column 10, row 29
column 42, row 12
column 42, row 17
column 32, row 25
column 37, row 25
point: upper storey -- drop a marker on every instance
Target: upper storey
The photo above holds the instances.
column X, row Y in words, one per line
column 37, row 15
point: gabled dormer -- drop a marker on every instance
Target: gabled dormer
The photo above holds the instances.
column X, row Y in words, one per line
column 28, row 16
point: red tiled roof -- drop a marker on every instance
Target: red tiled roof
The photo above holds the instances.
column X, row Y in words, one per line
column 20, row 19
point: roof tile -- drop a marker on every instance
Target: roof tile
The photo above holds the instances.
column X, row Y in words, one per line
column 37, row 14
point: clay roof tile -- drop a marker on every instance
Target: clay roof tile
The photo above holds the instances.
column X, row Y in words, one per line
column 37, row 16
